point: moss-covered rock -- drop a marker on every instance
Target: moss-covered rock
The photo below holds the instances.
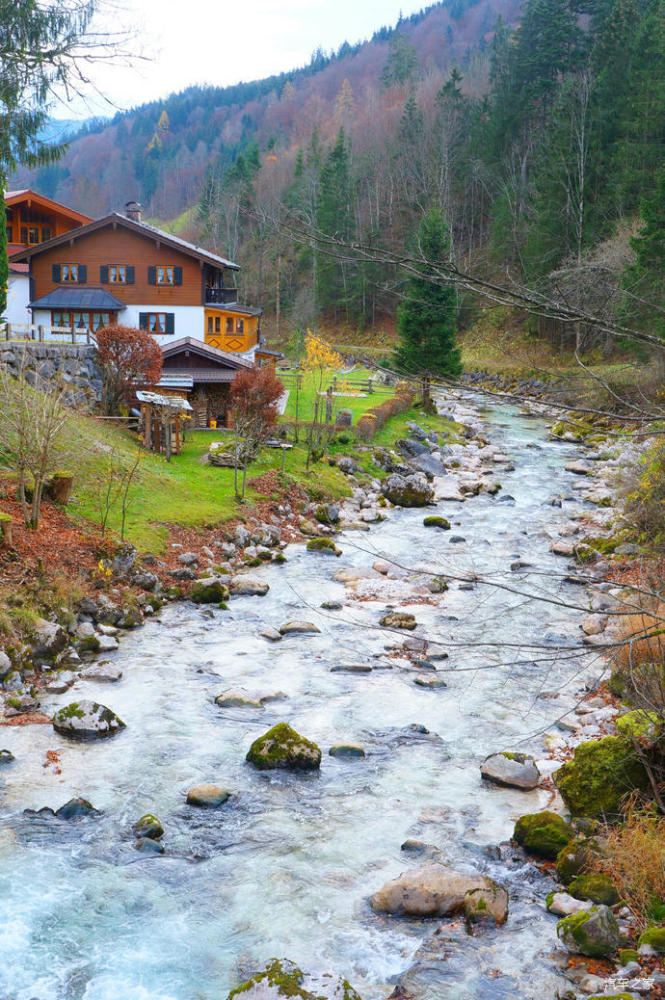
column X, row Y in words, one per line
column 86, row 720
column 281, row 979
column 148, row 826
column 597, row 887
column 655, row 938
column 283, row 748
column 575, row 858
column 434, row 521
column 594, row 933
column 211, row 591
column 323, row 545
column 638, row 723
column 627, row 955
column 599, row 775
column 543, row 833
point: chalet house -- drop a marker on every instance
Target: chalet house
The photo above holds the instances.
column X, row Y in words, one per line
column 119, row 269
column 31, row 219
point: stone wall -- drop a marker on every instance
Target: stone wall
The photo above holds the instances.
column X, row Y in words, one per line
column 72, row 365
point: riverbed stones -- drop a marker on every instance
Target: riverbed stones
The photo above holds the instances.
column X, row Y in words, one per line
column 283, row 979
column 512, row 770
column 103, row 673
column 399, row 619
column 208, row 796
column 6, row 757
column 431, row 891
column 87, row 720
column 61, row 682
column 324, row 545
column 77, row 808
column 351, row 668
column 564, row 905
column 349, row 751
column 48, row 640
column 297, row 627
column 270, row 633
column 148, row 826
column 483, row 905
column 247, row 586
column 594, row 933
column 282, row 748
column 407, row 491
column 149, row 846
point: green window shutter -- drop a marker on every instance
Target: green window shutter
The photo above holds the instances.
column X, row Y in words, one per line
column 104, row 274
column 143, row 321
column 170, row 323
column 177, row 276
column 55, row 273
column 83, row 274
column 152, row 275
column 130, row 275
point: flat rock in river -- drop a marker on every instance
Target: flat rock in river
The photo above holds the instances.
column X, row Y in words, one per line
column 247, row 586
column 298, row 628
column 514, row 770
column 430, row 891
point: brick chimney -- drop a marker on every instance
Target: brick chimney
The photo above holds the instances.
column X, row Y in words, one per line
column 133, row 211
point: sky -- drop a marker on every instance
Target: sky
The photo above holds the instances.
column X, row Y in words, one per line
column 218, row 42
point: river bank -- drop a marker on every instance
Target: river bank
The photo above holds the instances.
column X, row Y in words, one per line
column 319, row 846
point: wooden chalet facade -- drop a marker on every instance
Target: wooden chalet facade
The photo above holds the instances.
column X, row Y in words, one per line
column 31, row 219
column 119, row 269
column 202, row 374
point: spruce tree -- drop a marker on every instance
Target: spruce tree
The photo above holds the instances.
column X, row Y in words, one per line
column 427, row 318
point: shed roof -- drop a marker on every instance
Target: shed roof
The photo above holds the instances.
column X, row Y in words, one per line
column 171, row 402
column 203, row 350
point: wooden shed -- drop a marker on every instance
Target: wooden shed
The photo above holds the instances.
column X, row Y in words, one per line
column 161, row 421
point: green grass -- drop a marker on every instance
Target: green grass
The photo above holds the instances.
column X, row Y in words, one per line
column 307, row 394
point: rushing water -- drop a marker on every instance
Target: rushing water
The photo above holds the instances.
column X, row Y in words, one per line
column 285, row 868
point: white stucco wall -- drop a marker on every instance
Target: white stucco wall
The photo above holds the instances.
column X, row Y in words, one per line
column 187, row 320
column 18, row 296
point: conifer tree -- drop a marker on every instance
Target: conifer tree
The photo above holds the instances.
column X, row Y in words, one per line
column 427, row 318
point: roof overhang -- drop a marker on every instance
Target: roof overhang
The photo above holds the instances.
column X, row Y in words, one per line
column 203, row 350
column 79, row 297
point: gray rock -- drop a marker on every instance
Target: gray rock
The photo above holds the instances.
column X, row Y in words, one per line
column 237, row 698
column 350, row 751
column 48, row 639
column 61, row 682
column 296, row 627
column 147, row 845
column 208, row 796
column 246, row 586
column 183, row 574
column 429, row 465
column 513, row 770
column 270, row 633
column 6, row 757
column 431, row 891
column 6, row 665
column 429, row 682
column 563, row 905
column 103, row 673
column 76, row 809
column 407, row 491
column 86, row 720
column 283, row 979
column 489, row 904
column 188, row 559
column 346, row 465
column 123, row 560
column 598, row 936
column 146, row 580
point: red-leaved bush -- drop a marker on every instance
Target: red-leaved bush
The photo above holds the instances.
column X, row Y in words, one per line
column 127, row 358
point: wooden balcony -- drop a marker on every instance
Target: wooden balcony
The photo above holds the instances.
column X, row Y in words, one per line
column 220, row 296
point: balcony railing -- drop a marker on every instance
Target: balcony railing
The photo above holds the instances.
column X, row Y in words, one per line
column 220, row 296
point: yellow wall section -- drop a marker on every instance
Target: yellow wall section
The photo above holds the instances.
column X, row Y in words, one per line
column 234, row 342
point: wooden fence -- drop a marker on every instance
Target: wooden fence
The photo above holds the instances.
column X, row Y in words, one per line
column 45, row 334
column 337, row 384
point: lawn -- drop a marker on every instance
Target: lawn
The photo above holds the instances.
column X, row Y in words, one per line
column 356, row 400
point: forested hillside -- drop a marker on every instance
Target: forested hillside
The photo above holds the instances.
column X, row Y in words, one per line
column 540, row 141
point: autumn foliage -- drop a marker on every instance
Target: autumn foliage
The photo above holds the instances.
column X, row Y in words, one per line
column 127, row 357
column 254, row 396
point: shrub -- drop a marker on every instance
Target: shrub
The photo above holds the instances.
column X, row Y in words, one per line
column 634, row 858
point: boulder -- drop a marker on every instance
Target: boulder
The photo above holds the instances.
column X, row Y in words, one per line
column 350, row 751
column 599, row 775
column 86, row 720
column 576, row 858
column 47, row 640
column 6, row 757
column 434, row 521
column 543, row 833
column 296, row 627
column 327, row 513
column 283, row 979
column 595, row 888
column 430, row 465
column 61, row 682
column 346, row 465
column 103, row 673
column 563, row 905
column 148, row 826
column 237, row 698
column 247, row 586
column 430, row 891
column 147, row 845
column 270, row 633
column 513, row 770
column 653, row 938
column 6, row 665
column 76, row 809
column 399, row 619
column 594, row 933
column 481, row 905
column 209, row 590
column 407, row 491
column 325, row 545
column 284, row 749
column 208, row 796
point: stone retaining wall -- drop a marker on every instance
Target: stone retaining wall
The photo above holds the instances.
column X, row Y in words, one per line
column 73, row 365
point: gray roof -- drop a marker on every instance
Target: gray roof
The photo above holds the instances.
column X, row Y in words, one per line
column 198, row 375
column 116, row 219
column 79, row 297
column 171, row 402
column 175, row 380
column 234, row 307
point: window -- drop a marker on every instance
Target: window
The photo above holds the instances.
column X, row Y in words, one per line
column 117, row 274
column 33, row 234
column 156, row 322
column 218, row 324
column 229, row 324
column 165, row 275
column 69, row 272
column 46, row 234
column 240, row 326
column 81, row 320
column 209, row 324
column 60, row 319
column 24, row 234
column 100, row 320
